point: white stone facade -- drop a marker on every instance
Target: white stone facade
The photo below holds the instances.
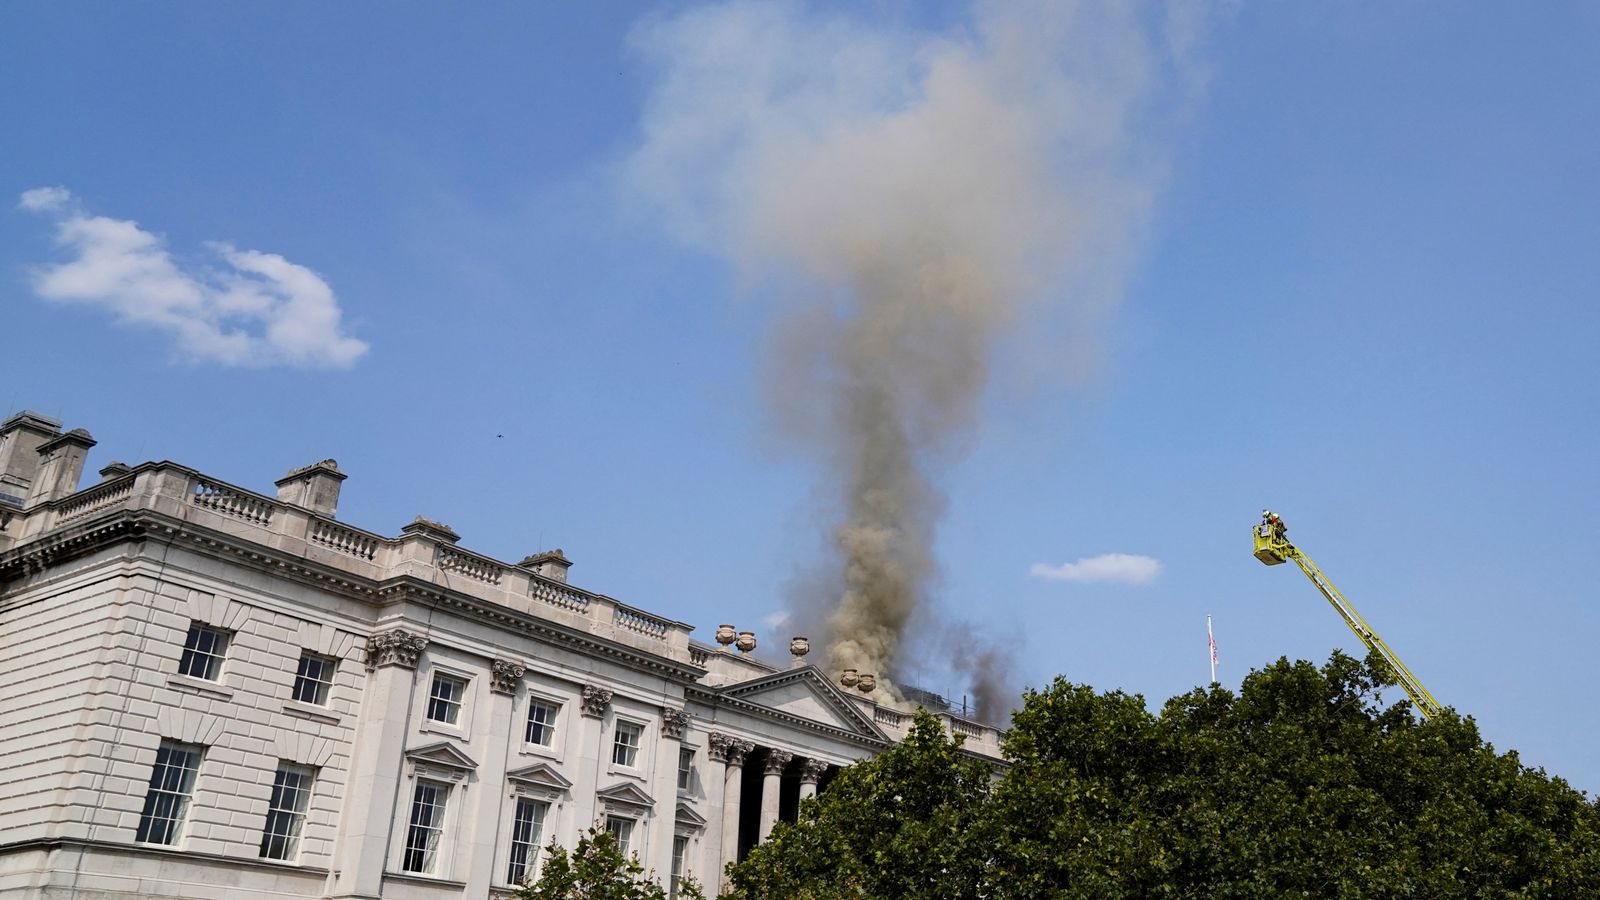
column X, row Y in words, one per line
column 395, row 717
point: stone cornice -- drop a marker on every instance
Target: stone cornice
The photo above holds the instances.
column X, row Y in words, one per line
column 830, row 694
column 94, row 532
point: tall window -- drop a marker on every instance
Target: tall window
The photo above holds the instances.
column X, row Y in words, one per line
column 202, row 652
column 625, row 746
column 428, row 803
column 171, row 786
column 622, row 828
column 286, row 815
column 541, row 722
column 312, row 681
column 444, row 701
column 685, row 768
column 527, row 828
column 680, row 848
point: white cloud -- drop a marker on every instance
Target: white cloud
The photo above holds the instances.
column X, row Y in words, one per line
column 1127, row 568
column 258, row 310
column 775, row 620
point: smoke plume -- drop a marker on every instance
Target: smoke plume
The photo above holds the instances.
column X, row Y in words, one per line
column 908, row 198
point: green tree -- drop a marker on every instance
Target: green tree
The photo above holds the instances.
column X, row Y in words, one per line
column 597, row 869
column 905, row 824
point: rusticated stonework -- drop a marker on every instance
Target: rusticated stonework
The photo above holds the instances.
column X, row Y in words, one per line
column 596, row 700
column 506, row 675
column 394, row 648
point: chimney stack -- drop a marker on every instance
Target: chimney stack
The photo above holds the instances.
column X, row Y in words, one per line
column 60, row 466
column 314, row 487
column 21, row 436
column 551, row 564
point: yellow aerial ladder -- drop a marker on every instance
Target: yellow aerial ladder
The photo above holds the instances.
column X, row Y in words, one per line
column 1273, row 548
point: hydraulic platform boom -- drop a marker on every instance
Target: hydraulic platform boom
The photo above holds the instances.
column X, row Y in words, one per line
column 1273, row 548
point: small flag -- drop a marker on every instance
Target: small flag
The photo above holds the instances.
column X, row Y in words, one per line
column 1210, row 639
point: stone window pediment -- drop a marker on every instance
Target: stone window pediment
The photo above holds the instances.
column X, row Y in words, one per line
column 687, row 821
column 626, row 798
column 539, row 780
column 441, row 760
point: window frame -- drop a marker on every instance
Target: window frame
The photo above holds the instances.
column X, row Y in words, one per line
column 324, row 691
column 531, row 843
column 212, row 660
column 162, row 786
column 638, row 730
column 624, row 835
column 679, row 865
column 553, row 726
column 295, row 814
column 432, row 858
column 686, row 769
column 459, row 704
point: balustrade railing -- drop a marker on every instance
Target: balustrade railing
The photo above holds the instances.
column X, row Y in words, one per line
column 558, row 597
column 343, row 539
column 471, row 565
column 699, row 657
column 97, row 497
column 967, row 728
column 231, row 501
column 647, row 625
column 889, row 717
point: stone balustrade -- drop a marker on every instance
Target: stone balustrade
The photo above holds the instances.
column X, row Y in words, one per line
column 187, row 495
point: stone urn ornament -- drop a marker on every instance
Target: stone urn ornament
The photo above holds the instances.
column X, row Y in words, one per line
column 866, row 684
column 746, row 642
column 848, row 678
column 725, row 636
column 799, row 646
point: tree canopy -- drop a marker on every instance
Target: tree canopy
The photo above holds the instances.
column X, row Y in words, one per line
column 1303, row 784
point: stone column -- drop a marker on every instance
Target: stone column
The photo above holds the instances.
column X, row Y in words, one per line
column 483, row 831
column 810, row 773
column 371, row 796
column 777, row 760
column 731, row 751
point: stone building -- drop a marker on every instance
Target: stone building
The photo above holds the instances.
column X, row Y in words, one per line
column 210, row 692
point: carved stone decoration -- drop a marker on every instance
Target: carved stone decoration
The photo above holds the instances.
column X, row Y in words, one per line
column 730, row 750
column 848, row 678
column 811, row 771
column 799, row 646
column 596, row 700
column 746, row 642
column 867, row 684
column 725, row 636
column 777, row 761
column 673, row 722
column 394, row 648
column 506, row 675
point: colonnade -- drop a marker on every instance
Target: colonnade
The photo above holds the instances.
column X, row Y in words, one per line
column 732, row 753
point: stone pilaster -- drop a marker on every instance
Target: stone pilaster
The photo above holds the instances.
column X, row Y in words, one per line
column 771, row 783
column 369, row 812
column 480, row 830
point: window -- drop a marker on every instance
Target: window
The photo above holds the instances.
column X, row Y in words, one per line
column 527, row 827
column 427, row 825
column 202, row 652
column 622, row 829
column 680, row 848
column 542, row 722
column 171, row 785
column 685, row 768
column 444, row 702
column 625, row 747
column 312, row 681
column 286, row 814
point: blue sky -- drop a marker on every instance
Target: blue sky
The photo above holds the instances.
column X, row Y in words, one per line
column 1362, row 293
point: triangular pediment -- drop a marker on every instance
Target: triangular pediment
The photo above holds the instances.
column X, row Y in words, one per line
column 688, row 817
column 442, row 754
column 807, row 694
column 625, row 794
column 541, row 775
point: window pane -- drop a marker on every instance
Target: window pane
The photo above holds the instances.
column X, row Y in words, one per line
column 444, row 701
column 202, row 652
column 541, row 723
column 527, row 828
column 685, row 769
column 312, row 681
column 625, row 747
column 286, row 813
column 623, row 830
column 680, row 847
column 427, row 823
column 171, row 783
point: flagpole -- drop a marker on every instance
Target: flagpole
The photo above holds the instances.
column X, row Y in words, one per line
column 1211, row 643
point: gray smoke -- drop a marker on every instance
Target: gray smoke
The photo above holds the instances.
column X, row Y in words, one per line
column 907, row 198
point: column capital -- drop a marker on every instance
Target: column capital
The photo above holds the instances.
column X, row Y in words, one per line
column 729, row 750
column 504, row 676
column 777, row 761
column 673, row 722
column 396, row 647
column 811, row 770
column 596, row 700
